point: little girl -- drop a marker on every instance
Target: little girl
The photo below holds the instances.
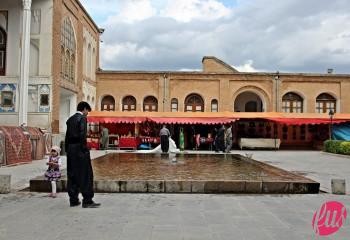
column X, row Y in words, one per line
column 53, row 173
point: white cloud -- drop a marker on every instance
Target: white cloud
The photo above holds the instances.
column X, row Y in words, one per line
column 247, row 67
column 289, row 35
column 118, row 51
column 188, row 10
column 132, row 11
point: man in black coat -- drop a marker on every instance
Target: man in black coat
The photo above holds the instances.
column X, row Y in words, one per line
column 79, row 169
column 220, row 139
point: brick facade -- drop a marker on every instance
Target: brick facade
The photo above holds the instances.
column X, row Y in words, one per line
column 218, row 81
column 80, row 20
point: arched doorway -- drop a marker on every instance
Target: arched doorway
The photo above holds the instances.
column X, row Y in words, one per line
column 248, row 102
column 108, row 103
column 194, row 103
column 3, row 40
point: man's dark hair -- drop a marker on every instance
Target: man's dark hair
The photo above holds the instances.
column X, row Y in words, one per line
column 83, row 105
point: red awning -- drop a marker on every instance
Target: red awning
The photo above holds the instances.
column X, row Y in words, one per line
column 117, row 119
column 301, row 121
column 214, row 117
column 191, row 120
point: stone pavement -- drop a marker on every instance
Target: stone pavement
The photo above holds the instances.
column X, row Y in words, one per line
column 25, row 215
column 33, row 216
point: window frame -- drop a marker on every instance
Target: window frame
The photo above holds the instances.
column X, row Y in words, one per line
column 131, row 102
column 3, row 93
column 193, row 102
column 292, row 103
column 325, row 102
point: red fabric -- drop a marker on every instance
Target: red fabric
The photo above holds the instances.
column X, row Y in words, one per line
column 17, row 145
column 93, row 145
column 129, row 142
column 301, row 121
column 119, row 128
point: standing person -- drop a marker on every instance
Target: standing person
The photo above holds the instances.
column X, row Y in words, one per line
column 164, row 139
column 53, row 172
column 214, row 135
column 79, row 169
column 220, row 139
column 104, row 138
column 228, row 136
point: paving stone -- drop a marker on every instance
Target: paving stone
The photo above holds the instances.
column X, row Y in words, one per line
column 178, row 186
column 155, row 186
column 136, row 186
column 5, row 183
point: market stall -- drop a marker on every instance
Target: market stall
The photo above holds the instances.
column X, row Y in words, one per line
column 292, row 130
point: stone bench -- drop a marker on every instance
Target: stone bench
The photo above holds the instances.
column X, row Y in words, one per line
column 259, row 143
column 5, row 183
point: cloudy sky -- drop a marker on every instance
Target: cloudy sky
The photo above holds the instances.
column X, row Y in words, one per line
column 251, row 35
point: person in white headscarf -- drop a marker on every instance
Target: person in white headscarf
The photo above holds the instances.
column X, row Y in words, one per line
column 53, row 173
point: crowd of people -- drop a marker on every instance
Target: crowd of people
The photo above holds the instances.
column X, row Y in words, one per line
column 223, row 139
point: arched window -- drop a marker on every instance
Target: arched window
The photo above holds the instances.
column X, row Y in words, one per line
column 150, row 104
column 69, row 48
column 174, row 105
column 66, row 65
column 325, row 103
column 108, row 103
column 93, row 64
column 214, row 105
column 129, row 103
column 88, row 62
column 84, row 57
column 194, row 103
column 3, row 41
column 72, row 68
column 292, row 103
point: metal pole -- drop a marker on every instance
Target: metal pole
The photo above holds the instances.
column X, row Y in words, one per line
column 331, row 128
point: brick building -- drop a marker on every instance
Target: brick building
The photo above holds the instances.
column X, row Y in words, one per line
column 49, row 53
column 221, row 88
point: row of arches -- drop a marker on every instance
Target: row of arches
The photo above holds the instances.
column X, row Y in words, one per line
column 245, row 102
column 193, row 103
column 292, row 102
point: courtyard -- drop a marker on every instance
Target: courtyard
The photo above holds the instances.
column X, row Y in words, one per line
column 31, row 215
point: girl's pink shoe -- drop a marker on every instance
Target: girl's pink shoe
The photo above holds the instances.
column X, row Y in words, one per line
column 54, row 195
column 50, row 195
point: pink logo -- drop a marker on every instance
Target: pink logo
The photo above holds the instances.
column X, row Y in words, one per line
column 329, row 218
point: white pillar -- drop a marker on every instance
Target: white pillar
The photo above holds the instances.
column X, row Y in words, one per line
column 24, row 64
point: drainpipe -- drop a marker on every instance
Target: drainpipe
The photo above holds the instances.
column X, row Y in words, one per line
column 165, row 88
column 277, row 78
